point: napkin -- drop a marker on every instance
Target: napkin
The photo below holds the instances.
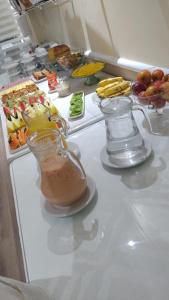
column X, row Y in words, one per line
column 14, row 290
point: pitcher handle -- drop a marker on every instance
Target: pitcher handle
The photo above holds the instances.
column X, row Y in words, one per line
column 140, row 108
column 62, row 122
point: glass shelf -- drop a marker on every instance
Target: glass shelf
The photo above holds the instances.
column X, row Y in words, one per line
column 38, row 5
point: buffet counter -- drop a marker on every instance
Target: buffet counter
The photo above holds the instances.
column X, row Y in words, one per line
column 115, row 246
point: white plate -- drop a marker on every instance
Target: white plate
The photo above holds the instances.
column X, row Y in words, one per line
column 53, row 91
column 62, row 211
column 83, row 109
column 125, row 162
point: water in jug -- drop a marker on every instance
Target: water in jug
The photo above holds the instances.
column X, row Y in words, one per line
column 125, row 145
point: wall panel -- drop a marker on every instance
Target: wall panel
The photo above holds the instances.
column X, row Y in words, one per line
column 133, row 29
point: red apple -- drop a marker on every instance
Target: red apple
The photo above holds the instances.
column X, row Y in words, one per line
column 158, row 84
column 138, row 87
column 144, row 76
column 157, row 74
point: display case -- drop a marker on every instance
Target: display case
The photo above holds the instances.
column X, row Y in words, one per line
column 22, row 6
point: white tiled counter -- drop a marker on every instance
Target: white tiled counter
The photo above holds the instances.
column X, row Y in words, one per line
column 117, row 247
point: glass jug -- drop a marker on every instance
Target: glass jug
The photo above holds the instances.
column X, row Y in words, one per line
column 63, row 180
column 38, row 117
column 124, row 141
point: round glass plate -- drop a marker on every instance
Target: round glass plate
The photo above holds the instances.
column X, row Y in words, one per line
column 65, row 211
column 123, row 161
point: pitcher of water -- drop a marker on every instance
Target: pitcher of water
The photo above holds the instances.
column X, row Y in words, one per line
column 125, row 145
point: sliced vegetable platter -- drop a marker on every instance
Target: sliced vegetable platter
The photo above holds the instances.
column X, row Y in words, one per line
column 77, row 105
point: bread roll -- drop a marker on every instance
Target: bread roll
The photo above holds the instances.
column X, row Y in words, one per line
column 25, row 3
column 57, row 51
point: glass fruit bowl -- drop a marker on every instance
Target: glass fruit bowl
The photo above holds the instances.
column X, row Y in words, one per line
column 156, row 101
column 151, row 88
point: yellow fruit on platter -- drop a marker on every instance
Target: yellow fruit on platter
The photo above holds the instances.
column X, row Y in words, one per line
column 53, row 110
column 10, row 126
column 88, row 69
column 16, row 123
column 113, row 87
column 107, row 81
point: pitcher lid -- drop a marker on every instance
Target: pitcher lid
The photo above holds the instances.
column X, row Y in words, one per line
column 116, row 106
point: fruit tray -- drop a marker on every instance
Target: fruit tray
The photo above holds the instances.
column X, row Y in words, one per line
column 14, row 101
column 13, row 84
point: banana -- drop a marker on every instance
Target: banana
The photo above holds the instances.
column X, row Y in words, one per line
column 102, row 89
column 116, row 89
column 127, row 91
column 105, row 82
column 113, row 87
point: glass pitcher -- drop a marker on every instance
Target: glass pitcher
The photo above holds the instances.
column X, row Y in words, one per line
column 63, row 179
column 38, row 117
column 124, row 140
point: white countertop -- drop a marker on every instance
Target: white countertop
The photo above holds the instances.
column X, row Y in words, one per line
column 116, row 248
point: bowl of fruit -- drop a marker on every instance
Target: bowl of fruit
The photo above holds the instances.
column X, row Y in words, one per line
column 152, row 88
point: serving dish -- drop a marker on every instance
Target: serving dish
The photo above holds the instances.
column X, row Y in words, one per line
column 151, row 88
column 78, row 103
column 14, row 101
column 88, row 71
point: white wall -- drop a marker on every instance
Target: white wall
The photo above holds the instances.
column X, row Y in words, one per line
column 134, row 29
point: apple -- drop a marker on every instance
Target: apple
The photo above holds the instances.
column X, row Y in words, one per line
column 165, row 86
column 151, row 90
column 138, row 87
column 165, row 90
column 157, row 74
column 144, row 76
column 166, row 77
column 157, row 84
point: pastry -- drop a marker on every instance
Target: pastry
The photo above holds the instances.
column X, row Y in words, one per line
column 38, row 75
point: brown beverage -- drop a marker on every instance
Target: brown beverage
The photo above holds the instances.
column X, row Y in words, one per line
column 62, row 182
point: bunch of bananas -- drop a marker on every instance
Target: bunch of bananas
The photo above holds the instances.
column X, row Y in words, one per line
column 113, row 87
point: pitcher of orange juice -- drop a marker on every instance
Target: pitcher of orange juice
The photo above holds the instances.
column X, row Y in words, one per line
column 38, row 117
column 63, row 180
